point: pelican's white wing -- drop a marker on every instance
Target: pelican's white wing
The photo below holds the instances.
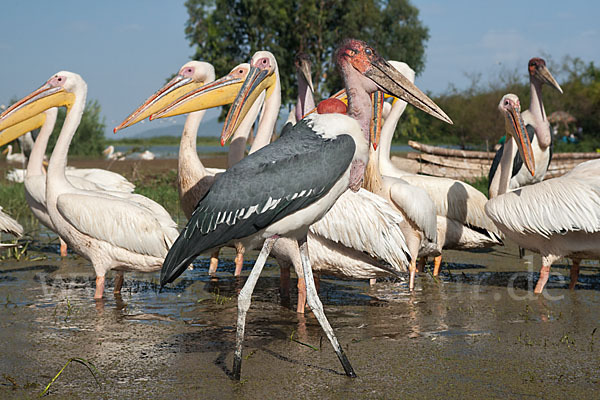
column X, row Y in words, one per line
column 116, row 221
column 365, row 222
column 456, row 200
column 9, row 224
column 106, row 180
column 417, row 205
column 568, row 203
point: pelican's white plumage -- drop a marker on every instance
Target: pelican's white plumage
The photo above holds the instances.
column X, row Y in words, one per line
column 9, row 225
column 460, row 208
column 14, row 157
column 568, row 203
column 104, row 179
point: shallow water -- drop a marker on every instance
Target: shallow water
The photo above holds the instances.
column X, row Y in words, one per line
column 478, row 332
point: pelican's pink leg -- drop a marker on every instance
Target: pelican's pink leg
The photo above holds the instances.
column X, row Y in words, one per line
column 118, row 282
column 437, row 263
column 99, row 287
column 574, row 273
column 63, row 248
column 412, row 269
column 239, row 259
column 214, row 262
column 544, row 275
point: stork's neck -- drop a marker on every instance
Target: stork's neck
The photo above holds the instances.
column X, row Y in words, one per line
column 189, row 167
column 58, row 161
column 359, row 100
column 386, row 136
column 36, row 158
column 268, row 119
column 501, row 181
column 305, row 101
column 536, row 108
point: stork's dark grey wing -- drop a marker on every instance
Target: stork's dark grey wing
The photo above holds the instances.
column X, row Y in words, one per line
column 517, row 161
column 288, row 175
column 286, row 128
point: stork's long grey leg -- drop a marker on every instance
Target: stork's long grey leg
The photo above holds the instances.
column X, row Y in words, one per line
column 317, row 308
column 244, row 299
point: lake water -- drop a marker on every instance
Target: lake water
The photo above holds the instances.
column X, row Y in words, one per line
column 171, row 151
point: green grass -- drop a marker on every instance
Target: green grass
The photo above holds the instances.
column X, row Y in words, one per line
column 480, row 184
column 161, row 188
column 12, row 200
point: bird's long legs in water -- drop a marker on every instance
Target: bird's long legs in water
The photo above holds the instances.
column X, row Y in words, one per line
column 244, row 299
column 317, row 307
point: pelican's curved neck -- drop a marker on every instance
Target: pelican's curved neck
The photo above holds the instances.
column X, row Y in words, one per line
column 387, row 135
column 536, row 108
column 58, row 160
column 501, row 181
column 268, row 119
column 373, row 181
column 36, row 158
column 189, row 164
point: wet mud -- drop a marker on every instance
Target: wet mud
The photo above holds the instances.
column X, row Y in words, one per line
column 477, row 331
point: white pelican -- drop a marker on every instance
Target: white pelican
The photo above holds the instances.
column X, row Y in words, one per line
column 342, row 243
column 9, row 225
column 537, row 130
column 35, row 176
column 193, row 179
column 288, row 185
column 461, row 220
column 147, row 155
column 557, row 218
column 113, row 230
column 110, row 153
column 16, row 157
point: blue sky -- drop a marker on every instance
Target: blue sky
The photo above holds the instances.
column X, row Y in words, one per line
column 125, row 49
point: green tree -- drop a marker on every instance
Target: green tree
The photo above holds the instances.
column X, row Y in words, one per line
column 89, row 138
column 227, row 32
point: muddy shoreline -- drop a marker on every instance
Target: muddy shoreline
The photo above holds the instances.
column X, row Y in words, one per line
column 477, row 332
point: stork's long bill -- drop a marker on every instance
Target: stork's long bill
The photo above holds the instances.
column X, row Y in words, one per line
column 214, row 94
column 515, row 127
column 51, row 94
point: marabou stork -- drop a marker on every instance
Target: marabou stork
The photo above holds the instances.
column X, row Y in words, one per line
column 113, row 230
column 537, row 130
column 288, row 185
column 557, row 218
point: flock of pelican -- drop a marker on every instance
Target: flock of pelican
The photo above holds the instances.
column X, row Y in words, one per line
column 288, row 197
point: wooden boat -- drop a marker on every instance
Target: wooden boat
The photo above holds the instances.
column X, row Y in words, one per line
column 471, row 165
